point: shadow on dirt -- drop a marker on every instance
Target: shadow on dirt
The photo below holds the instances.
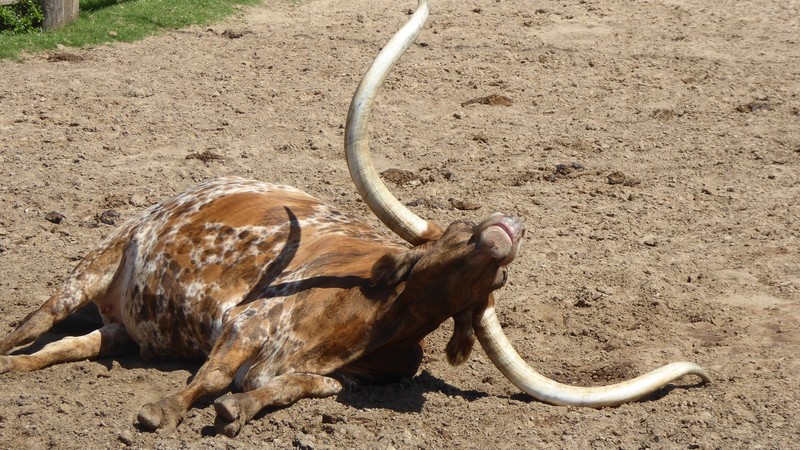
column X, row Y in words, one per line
column 405, row 396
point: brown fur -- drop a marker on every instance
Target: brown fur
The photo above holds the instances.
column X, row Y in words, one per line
column 273, row 290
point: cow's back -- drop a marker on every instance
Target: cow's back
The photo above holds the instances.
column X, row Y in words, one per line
column 193, row 258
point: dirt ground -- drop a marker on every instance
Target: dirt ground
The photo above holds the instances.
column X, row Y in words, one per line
column 652, row 148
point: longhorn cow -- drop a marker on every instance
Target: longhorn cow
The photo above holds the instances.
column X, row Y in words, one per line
column 289, row 297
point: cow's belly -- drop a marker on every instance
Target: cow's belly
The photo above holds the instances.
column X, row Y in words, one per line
column 230, row 242
column 174, row 305
column 172, row 325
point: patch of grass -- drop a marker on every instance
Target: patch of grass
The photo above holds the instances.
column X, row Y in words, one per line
column 102, row 21
column 24, row 16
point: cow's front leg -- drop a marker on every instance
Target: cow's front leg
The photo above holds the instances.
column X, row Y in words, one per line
column 168, row 412
column 112, row 339
column 229, row 352
column 234, row 410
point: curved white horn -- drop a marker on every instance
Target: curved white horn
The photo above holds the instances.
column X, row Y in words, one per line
column 517, row 371
column 389, row 210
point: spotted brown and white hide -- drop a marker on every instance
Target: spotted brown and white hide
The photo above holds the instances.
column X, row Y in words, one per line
column 274, row 290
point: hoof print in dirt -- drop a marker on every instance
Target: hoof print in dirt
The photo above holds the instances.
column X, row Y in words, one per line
column 206, row 156
column 754, row 106
column 430, row 203
column 463, row 205
column 235, row 34
column 109, row 217
column 55, row 217
column 480, row 137
column 491, row 100
column 664, row 114
column 64, row 56
column 526, row 177
column 563, row 170
column 400, row 176
column 559, row 171
column 618, row 177
column 650, row 240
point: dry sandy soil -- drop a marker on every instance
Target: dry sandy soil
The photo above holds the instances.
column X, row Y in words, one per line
column 652, row 148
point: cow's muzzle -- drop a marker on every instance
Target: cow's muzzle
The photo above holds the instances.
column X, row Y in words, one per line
column 501, row 236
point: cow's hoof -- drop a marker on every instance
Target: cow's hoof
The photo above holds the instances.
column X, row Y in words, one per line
column 229, row 419
column 227, row 406
column 151, row 416
column 5, row 364
column 227, row 428
column 159, row 416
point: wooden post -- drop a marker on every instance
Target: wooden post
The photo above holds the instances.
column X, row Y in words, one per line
column 58, row 13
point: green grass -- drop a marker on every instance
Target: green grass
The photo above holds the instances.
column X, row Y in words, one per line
column 128, row 20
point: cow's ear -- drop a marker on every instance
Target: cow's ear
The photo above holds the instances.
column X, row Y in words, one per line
column 394, row 268
column 460, row 345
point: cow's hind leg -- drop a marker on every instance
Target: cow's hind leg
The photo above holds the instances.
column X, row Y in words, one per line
column 90, row 280
column 234, row 410
column 68, row 298
column 112, row 339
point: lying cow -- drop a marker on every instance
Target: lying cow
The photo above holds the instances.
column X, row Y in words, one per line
column 288, row 297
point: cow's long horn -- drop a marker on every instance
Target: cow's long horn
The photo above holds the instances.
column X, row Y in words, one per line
column 389, row 210
column 517, row 371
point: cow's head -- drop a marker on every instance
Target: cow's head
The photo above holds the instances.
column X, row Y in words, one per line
column 465, row 258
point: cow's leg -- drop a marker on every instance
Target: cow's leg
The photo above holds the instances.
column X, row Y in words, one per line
column 234, row 410
column 89, row 281
column 232, row 349
column 68, row 298
column 111, row 339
